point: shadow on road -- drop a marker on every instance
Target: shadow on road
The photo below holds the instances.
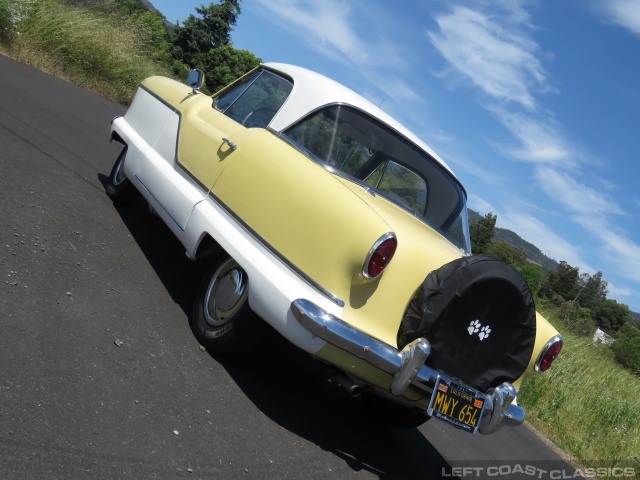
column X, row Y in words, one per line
column 285, row 383
column 291, row 388
column 165, row 253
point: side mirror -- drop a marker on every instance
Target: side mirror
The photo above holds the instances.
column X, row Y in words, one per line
column 195, row 80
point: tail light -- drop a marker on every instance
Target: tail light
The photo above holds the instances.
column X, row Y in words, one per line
column 380, row 255
column 549, row 353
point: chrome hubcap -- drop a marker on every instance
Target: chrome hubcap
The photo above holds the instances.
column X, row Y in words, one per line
column 226, row 293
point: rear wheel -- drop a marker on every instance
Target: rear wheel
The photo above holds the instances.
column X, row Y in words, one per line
column 222, row 320
column 119, row 188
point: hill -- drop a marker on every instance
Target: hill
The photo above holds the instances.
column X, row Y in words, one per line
column 148, row 5
column 534, row 254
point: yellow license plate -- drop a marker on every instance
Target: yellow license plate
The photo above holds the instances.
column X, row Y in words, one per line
column 456, row 404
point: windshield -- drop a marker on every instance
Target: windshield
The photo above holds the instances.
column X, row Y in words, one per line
column 255, row 100
column 353, row 143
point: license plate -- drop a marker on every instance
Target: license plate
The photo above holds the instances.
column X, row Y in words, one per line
column 456, row 404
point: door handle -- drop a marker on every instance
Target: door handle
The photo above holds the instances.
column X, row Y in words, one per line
column 230, row 143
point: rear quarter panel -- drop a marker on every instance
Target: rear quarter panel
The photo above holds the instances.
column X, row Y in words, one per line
column 300, row 209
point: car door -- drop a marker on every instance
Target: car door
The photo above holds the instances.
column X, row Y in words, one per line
column 206, row 143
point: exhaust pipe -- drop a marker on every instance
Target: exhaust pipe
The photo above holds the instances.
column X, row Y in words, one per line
column 345, row 382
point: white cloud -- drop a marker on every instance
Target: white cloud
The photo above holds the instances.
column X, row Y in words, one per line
column 461, row 163
column 443, row 137
column 325, row 23
column 617, row 249
column 541, row 140
column 573, row 195
column 487, row 43
column 625, row 13
column 499, row 59
column 480, row 205
column 617, row 292
column 396, row 89
column 551, row 244
column 329, row 27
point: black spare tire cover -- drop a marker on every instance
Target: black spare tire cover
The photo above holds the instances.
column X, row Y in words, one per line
column 479, row 316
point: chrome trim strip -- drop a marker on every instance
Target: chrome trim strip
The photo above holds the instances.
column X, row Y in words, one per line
column 545, row 349
column 381, row 240
column 404, row 366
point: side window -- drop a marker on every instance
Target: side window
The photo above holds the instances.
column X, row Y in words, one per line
column 255, row 102
column 325, row 137
column 401, row 184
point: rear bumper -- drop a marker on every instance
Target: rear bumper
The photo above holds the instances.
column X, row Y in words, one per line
column 406, row 366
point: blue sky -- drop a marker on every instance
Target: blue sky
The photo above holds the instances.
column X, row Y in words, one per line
column 534, row 105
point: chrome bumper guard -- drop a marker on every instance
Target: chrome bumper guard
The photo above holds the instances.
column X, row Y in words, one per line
column 407, row 366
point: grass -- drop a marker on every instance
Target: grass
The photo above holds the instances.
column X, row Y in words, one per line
column 586, row 403
column 104, row 50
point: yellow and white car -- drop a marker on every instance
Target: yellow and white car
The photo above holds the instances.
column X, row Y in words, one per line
column 334, row 224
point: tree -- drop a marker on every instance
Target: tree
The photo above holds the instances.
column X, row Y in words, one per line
column 226, row 64
column 482, row 233
column 519, row 257
column 593, row 290
column 199, row 34
column 533, row 275
column 500, row 251
column 611, row 315
column 563, row 281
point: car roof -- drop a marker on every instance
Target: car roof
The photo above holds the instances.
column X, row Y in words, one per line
column 312, row 90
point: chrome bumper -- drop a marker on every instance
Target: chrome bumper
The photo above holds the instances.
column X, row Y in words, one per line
column 407, row 366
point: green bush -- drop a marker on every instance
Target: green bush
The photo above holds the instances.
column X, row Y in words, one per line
column 581, row 322
column 626, row 348
column 533, row 275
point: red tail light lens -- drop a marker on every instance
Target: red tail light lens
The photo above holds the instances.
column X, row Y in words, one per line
column 549, row 353
column 380, row 255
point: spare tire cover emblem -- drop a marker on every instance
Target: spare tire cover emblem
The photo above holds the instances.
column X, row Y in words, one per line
column 475, row 326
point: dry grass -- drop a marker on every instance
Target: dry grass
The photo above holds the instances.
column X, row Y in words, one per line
column 107, row 53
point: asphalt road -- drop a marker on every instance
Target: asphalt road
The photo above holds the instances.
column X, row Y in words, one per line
column 100, row 376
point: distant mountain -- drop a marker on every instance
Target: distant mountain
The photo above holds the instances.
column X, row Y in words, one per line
column 635, row 317
column 148, row 5
column 534, row 254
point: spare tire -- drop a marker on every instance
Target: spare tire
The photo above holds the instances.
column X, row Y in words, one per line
column 479, row 316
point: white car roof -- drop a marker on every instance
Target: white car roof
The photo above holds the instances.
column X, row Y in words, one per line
column 312, row 90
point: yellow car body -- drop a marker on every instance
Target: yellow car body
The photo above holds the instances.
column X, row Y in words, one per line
column 299, row 228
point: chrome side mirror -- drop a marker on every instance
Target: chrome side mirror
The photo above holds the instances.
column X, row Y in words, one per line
column 195, row 80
